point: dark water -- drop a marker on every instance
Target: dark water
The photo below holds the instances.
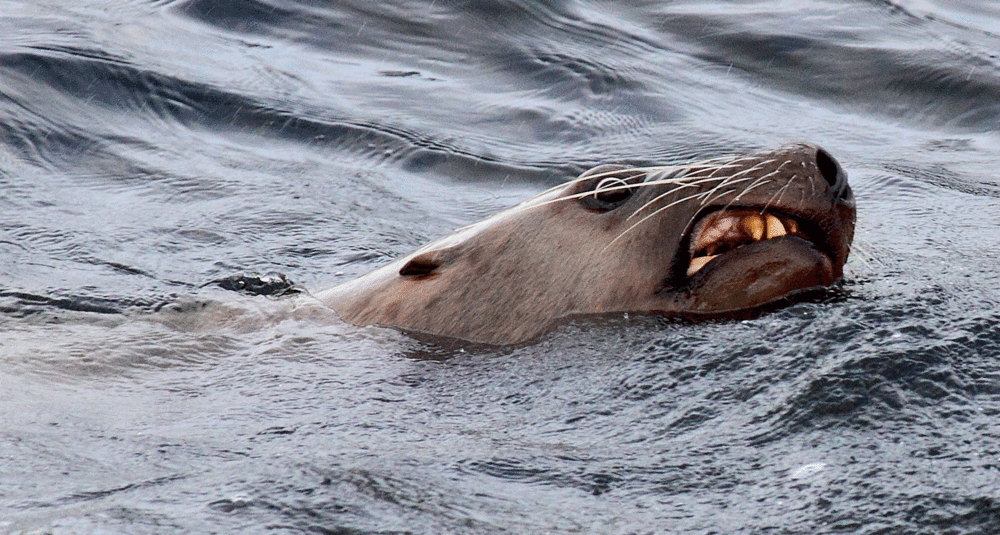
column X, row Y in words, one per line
column 149, row 147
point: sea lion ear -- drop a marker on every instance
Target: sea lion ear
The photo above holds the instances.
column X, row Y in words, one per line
column 427, row 263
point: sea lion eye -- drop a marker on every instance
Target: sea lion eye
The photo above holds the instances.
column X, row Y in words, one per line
column 606, row 187
column 612, row 190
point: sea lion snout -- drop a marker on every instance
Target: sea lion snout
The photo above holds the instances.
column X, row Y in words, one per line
column 799, row 191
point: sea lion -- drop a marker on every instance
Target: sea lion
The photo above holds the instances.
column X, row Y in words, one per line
column 707, row 238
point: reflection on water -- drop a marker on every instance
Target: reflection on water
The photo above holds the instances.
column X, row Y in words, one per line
column 149, row 148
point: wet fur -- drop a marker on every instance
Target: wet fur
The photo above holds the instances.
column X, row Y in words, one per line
column 509, row 278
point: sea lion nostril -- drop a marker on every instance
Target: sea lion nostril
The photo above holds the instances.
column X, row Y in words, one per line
column 828, row 167
column 832, row 172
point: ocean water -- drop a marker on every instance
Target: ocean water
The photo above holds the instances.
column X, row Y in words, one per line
column 148, row 148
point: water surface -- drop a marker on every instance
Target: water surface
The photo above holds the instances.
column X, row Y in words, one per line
column 150, row 147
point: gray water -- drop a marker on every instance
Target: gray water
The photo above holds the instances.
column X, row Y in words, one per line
column 150, row 147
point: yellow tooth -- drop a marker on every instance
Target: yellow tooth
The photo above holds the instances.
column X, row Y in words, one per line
column 793, row 226
column 698, row 263
column 774, row 227
column 754, row 226
column 717, row 230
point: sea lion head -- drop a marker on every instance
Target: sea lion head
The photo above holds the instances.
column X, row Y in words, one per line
column 708, row 238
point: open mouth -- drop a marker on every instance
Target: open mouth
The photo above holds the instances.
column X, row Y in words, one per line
column 724, row 231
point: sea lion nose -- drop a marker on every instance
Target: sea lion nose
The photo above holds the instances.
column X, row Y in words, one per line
column 834, row 175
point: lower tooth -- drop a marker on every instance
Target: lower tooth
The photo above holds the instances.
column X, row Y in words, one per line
column 698, row 263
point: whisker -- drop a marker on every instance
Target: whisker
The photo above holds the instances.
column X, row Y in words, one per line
column 735, row 199
column 656, row 212
column 709, row 196
column 701, row 180
column 698, row 166
column 703, row 195
column 730, row 203
column 863, row 255
column 728, row 182
column 690, row 175
column 745, row 171
column 662, row 195
column 778, row 194
column 679, row 180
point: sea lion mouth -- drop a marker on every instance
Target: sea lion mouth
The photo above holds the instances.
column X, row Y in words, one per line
column 722, row 232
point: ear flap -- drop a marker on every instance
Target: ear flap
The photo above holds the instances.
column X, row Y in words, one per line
column 427, row 263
